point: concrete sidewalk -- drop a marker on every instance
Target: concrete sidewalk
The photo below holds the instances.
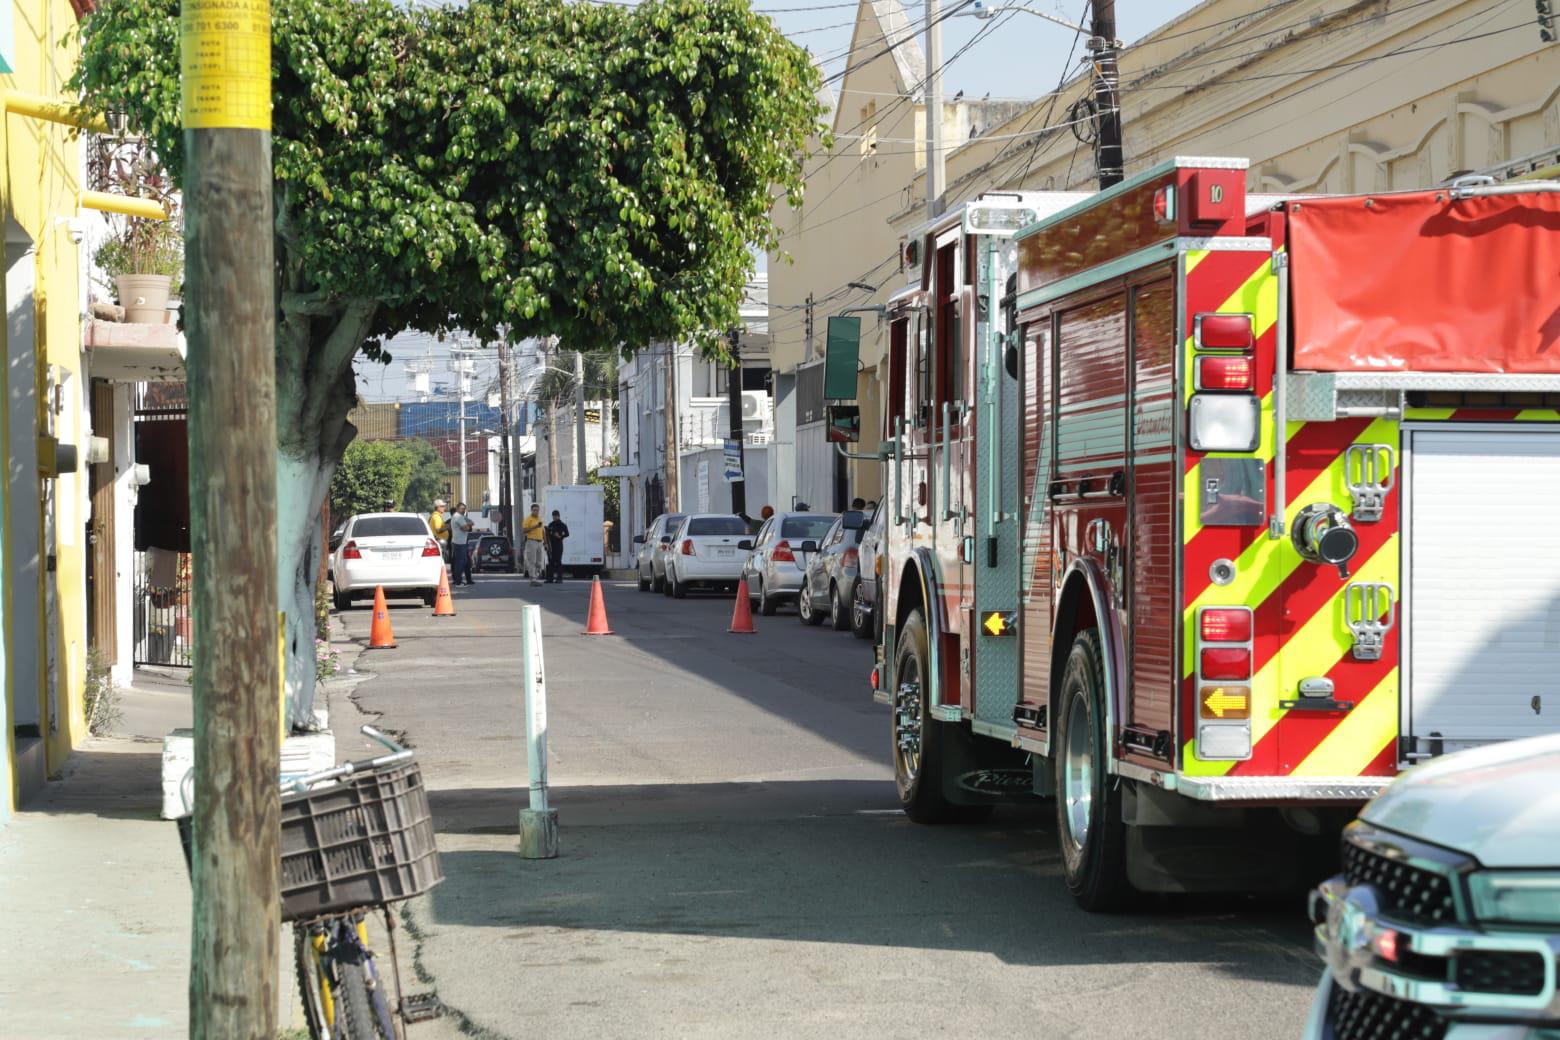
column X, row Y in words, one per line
column 96, row 897
column 94, row 891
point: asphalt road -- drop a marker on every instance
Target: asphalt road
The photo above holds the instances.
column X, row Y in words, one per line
column 733, row 862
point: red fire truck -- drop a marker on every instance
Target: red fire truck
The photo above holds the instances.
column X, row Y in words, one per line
column 1209, row 512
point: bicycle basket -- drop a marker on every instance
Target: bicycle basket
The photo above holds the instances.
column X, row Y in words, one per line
column 364, row 841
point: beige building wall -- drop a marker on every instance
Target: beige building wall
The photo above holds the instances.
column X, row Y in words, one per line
column 1320, row 96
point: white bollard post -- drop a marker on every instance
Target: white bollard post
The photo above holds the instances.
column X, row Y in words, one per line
column 538, row 824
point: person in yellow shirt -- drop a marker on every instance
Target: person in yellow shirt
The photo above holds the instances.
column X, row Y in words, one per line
column 534, row 532
column 440, row 526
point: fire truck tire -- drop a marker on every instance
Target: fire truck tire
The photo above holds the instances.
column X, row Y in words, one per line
column 919, row 742
column 1089, row 825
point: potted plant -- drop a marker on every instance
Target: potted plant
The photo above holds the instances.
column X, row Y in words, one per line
column 143, row 258
column 146, row 262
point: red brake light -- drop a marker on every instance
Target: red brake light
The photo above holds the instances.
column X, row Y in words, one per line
column 350, row 552
column 687, row 547
column 1224, row 332
column 782, row 553
column 1164, row 204
column 1225, row 625
column 1226, row 372
column 1226, row 663
column 430, row 548
column 851, row 557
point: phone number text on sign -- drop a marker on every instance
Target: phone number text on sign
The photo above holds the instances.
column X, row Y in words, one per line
column 225, row 64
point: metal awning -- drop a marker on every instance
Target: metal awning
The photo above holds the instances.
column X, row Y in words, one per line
column 129, row 352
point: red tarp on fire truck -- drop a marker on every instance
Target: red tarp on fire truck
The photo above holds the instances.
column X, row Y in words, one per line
column 1422, row 282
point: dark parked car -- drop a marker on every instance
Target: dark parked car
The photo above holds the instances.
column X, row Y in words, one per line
column 866, row 615
column 494, row 553
column 830, row 584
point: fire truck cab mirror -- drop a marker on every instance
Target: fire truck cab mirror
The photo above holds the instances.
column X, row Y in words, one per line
column 1322, row 534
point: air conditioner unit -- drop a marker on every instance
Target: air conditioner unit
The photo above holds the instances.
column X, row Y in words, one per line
column 756, row 405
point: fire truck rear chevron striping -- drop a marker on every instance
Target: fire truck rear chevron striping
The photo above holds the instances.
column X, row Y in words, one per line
column 1208, row 512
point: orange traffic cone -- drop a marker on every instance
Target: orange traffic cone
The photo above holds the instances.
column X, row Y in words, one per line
column 742, row 612
column 444, row 603
column 596, row 623
column 380, row 635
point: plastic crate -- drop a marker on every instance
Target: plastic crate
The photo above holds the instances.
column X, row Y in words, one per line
column 363, row 841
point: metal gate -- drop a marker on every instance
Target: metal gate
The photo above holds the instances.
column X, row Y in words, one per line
column 161, row 588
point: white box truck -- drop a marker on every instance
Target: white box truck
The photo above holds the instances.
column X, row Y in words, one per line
column 580, row 506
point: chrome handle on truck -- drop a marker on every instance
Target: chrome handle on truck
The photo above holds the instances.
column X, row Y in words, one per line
column 1370, row 611
column 1367, row 472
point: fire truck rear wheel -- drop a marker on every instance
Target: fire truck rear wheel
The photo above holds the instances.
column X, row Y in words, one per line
column 1088, row 805
column 918, row 740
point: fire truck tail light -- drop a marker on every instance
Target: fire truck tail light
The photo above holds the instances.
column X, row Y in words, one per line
column 1226, row 372
column 1225, row 662
column 1224, row 702
column 1223, row 332
column 1225, row 624
column 1224, row 422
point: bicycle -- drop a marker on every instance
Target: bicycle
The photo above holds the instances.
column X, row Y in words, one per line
column 355, row 838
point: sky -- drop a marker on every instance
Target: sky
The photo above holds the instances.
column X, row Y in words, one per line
column 1014, row 55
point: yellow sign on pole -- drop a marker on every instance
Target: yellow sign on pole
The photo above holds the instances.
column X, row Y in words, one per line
column 225, row 64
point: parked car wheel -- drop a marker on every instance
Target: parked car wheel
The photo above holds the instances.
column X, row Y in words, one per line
column 339, row 599
column 839, row 613
column 804, row 606
column 429, row 597
column 1089, row 823
column 679, row 588
column 860, row 617
column 644, row 583
column 766, row 605
column 657, row 584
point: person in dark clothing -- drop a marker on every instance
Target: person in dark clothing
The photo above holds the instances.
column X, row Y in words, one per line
column 557, row 531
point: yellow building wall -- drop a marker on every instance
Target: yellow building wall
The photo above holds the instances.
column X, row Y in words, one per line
column 40, row 192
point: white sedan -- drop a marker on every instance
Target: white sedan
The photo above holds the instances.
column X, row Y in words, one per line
column 704, row 551
column 393, row 551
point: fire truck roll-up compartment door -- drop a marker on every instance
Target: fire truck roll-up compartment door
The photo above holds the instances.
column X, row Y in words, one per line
column 1482, row 560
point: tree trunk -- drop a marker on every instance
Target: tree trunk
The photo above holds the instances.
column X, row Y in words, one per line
column 301, row 487
column 316, row 339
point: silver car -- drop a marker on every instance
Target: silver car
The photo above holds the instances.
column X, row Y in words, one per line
column 650, row 556
column 1446, row 919
column 779, row 554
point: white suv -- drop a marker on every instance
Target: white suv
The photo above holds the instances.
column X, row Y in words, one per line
column 704, row 551
column 1445, row 922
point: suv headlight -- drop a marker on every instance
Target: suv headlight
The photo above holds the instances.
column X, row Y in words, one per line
column 1516, row 897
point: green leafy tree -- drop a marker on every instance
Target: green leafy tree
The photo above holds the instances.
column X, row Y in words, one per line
column 515, row 167
column 427, row 479
column 370, row 474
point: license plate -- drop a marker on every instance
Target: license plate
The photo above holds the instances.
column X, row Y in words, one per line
column 725, row 552
column 395, row 555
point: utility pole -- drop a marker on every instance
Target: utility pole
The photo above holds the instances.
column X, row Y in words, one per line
column 1107, row 100
column 734, row 406
column 670, row 460
column 809, row 322
column 230, row 315
column 580, row 468
column 460, row 364
column 506, row 477
column 934, row 114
